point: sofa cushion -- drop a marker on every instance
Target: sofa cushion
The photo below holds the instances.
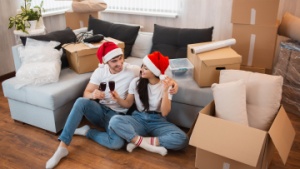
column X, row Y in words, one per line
column 134, row 60
column 62, row 36
column 172, row 42
column 40, row 63
column 122, row 32
column 142, row 45
column 50, row 96
column 263, row 95
column 190, row 93
column 230, row 101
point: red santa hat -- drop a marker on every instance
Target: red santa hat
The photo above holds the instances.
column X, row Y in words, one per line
column 107, row 51
column 156, row 63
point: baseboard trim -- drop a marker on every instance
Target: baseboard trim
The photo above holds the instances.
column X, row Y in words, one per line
column 7, row 76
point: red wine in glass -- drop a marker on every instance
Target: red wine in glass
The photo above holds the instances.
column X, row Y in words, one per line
column 111, row 85
column 102, row 86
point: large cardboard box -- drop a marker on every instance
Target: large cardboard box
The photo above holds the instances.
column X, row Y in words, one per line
column 221, row 144
column 76, row 20
column 207, row 65
column 82, row 58
column 255, row 12
column 256, row 44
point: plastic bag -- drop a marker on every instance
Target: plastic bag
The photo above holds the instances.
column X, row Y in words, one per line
column 88, row 5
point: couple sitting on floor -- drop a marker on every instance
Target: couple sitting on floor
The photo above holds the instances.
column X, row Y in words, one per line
column 147, row 87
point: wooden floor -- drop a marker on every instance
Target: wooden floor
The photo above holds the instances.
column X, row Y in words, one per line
column 26, row 147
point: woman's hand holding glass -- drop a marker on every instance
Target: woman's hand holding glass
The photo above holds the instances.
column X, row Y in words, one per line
column 114, row 95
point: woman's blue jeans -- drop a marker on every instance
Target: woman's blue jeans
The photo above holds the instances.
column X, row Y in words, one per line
column 99, row 116
column 145, row 124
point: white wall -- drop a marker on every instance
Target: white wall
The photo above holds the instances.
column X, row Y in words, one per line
column 193, row 14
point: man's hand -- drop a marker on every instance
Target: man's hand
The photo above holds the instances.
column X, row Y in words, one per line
column 97, row 94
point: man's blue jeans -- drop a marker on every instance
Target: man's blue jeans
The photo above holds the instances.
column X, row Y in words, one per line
column 154, row 125
column 99, row 116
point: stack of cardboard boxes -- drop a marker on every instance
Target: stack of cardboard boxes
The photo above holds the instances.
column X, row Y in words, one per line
column 255, row 28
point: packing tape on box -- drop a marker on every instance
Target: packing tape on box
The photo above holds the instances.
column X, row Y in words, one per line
column 213, row 46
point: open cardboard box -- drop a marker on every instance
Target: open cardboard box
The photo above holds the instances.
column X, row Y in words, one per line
column 82, row 58
column 207, row 65
column 221, row 144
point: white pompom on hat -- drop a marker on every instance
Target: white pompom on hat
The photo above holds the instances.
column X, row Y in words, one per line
column 107, row 51
column 157, row 64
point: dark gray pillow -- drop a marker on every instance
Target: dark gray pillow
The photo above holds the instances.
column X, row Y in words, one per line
column 121, row 32
column 172, row 42
column 63, row 36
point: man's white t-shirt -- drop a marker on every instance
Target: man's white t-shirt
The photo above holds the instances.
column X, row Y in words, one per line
column 155, row 93
column 122, row 81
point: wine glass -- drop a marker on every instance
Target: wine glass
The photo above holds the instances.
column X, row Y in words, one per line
column 111, row 85
column 102, row 88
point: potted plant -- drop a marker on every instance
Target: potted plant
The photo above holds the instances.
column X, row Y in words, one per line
column 22, row 20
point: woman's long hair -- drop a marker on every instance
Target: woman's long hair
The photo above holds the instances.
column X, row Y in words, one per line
column 142, row 88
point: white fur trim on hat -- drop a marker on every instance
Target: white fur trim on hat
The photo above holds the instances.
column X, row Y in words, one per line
column 111, row 54
column 149, row 64
column 162, row 77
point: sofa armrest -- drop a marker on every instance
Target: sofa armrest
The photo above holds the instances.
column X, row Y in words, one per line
column 16, row 56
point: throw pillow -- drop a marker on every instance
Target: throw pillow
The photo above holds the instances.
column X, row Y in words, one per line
column 263, row 95
column 289, row 26
column 122, row 32
column 172, row 42
column 62, row 36
column 142, row 45
column 40, row 63
column 230, row 101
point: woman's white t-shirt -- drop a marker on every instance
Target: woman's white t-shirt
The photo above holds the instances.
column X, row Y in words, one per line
column 155, row 93
column 122, row 81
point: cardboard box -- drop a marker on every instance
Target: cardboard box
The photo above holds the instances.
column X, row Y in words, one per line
column 83, row 59
column 255, row 12
column 76, row 20
column 256, row 44
column 181, row 69
column 207, row 65
column 221, row 144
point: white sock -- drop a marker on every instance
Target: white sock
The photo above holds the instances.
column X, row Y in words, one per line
column 82, row 130
column 60, row 153
column 155, row 149
column 150, row 140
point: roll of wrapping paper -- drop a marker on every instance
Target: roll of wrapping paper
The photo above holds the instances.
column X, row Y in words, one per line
column 213, row 46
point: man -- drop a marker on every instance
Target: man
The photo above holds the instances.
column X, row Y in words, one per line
column 112, row 68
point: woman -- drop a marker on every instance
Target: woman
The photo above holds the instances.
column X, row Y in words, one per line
column 153, row 103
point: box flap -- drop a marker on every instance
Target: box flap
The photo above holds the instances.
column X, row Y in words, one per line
column 228, row 139
column 75, row 47
column 219, row 57
column 282, row 134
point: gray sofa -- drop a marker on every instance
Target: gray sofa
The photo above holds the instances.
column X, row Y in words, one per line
column 48, row 106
